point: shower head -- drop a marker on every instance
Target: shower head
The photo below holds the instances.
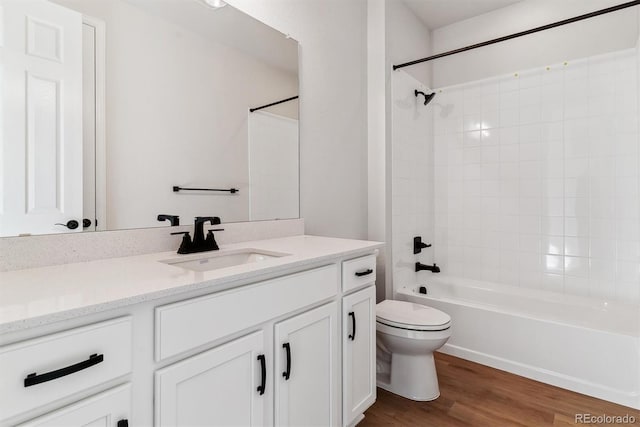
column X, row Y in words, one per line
column 427, row 98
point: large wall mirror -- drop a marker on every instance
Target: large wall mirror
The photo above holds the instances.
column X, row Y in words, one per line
column 114, row 112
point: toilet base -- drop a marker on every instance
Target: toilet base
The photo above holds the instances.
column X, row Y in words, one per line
column 412, row 377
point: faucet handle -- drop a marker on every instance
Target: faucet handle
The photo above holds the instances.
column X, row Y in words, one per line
column 216, row 229
column 186, row 242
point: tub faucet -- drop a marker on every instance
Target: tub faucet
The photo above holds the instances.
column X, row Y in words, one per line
column 432, row 268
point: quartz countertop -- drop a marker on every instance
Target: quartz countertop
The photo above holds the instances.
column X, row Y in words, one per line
column 39, row 296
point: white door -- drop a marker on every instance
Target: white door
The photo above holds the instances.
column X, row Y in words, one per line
column 225, row 386
column 41, row 94
column 358, row 353
column 109, row 409
column 306, row 373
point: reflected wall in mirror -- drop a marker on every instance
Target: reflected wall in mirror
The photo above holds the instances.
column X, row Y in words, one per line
column 109, row 105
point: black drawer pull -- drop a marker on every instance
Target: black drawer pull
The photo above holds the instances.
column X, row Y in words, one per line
column 33, row 379
column 286, row 374
column 263, row 375
column 352, row 336
column 364, row 273
column 123, row 423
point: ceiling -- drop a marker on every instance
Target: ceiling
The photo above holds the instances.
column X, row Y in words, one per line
column 439, row 13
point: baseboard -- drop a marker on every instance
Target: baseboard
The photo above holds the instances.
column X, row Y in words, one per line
column 578, row 385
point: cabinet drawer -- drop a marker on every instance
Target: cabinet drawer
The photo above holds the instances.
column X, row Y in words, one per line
column 358, row 272
column 63, row 364
column 215, row 316
column 109, row 409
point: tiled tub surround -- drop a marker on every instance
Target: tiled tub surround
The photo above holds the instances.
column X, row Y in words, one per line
column 412, row 176
column 537, row 178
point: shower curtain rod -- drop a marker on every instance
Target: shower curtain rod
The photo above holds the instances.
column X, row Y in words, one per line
column 522, row 33
column 251, row 110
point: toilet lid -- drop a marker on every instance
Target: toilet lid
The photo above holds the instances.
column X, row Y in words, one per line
column 409, row 315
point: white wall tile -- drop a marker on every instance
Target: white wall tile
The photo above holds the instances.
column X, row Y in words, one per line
column 542, row 190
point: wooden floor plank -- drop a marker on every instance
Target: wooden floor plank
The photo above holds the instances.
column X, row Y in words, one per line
column 476, row 395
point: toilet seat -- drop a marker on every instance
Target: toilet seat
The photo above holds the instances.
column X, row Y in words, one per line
column 411, row 316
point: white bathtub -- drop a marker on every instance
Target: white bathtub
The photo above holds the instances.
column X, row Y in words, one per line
column 588, row 346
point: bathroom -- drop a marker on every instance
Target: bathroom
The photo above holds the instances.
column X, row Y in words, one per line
column 454, row 241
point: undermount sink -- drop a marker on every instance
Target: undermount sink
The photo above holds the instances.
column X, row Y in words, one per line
column 215, row 261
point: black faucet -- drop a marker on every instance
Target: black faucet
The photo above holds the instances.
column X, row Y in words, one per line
column 432, row 268
column 173, row 219
column 200, row 243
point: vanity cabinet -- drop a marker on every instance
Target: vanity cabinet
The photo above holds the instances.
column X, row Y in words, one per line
column 306, row 376
column 293, row 349
column 109, row 409
column 220, row 387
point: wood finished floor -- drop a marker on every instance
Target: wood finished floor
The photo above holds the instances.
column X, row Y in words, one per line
column 476, row 395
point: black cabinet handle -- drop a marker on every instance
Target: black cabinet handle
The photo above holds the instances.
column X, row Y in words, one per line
column 364, row 273
column 33, row 379
column 123, row 423
column 263, row 375
column 352, row 336
column 86, row 222
column 287, row 373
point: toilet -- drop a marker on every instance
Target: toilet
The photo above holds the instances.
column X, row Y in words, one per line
column 407, row 335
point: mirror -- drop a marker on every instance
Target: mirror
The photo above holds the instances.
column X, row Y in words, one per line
column 115, row 112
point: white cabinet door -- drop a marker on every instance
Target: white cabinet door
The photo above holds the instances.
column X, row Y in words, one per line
column 109, row 409
column 358, row 353
column 220, row 387
column 306, row 373
column 41, row 96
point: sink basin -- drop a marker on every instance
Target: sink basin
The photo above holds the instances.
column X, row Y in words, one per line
column 214, row 261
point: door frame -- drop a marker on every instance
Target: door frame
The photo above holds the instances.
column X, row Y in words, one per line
column 100, row 111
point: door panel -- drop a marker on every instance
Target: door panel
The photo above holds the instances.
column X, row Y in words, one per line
column 41, row 171
column 310, row 395
column 216, row 388
column 358, row 353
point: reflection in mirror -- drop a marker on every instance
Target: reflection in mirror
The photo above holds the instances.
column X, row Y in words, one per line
column 117, row 112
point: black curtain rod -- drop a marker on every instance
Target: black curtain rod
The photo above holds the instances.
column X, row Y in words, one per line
column 522, row 33
column 277, row 102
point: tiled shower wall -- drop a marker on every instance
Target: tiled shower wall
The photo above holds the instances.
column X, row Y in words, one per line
column 412, row 177
column 536, row 178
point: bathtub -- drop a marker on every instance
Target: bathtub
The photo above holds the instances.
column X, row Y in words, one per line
column 577, row 343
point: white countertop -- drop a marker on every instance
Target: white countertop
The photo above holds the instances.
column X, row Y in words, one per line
column 40, row 296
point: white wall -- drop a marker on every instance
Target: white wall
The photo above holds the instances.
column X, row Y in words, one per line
column 537, row 178
column 177, row 115
column 602, row 34
column 379, row 178
column 333, row 108
column 407, row 39
column 409, row 138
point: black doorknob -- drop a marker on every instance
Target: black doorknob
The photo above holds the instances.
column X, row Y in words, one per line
column 71, row 224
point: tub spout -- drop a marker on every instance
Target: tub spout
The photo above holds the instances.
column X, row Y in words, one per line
column 432, row 268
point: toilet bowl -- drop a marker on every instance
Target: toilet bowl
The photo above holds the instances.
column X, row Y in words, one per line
column 407, row 335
